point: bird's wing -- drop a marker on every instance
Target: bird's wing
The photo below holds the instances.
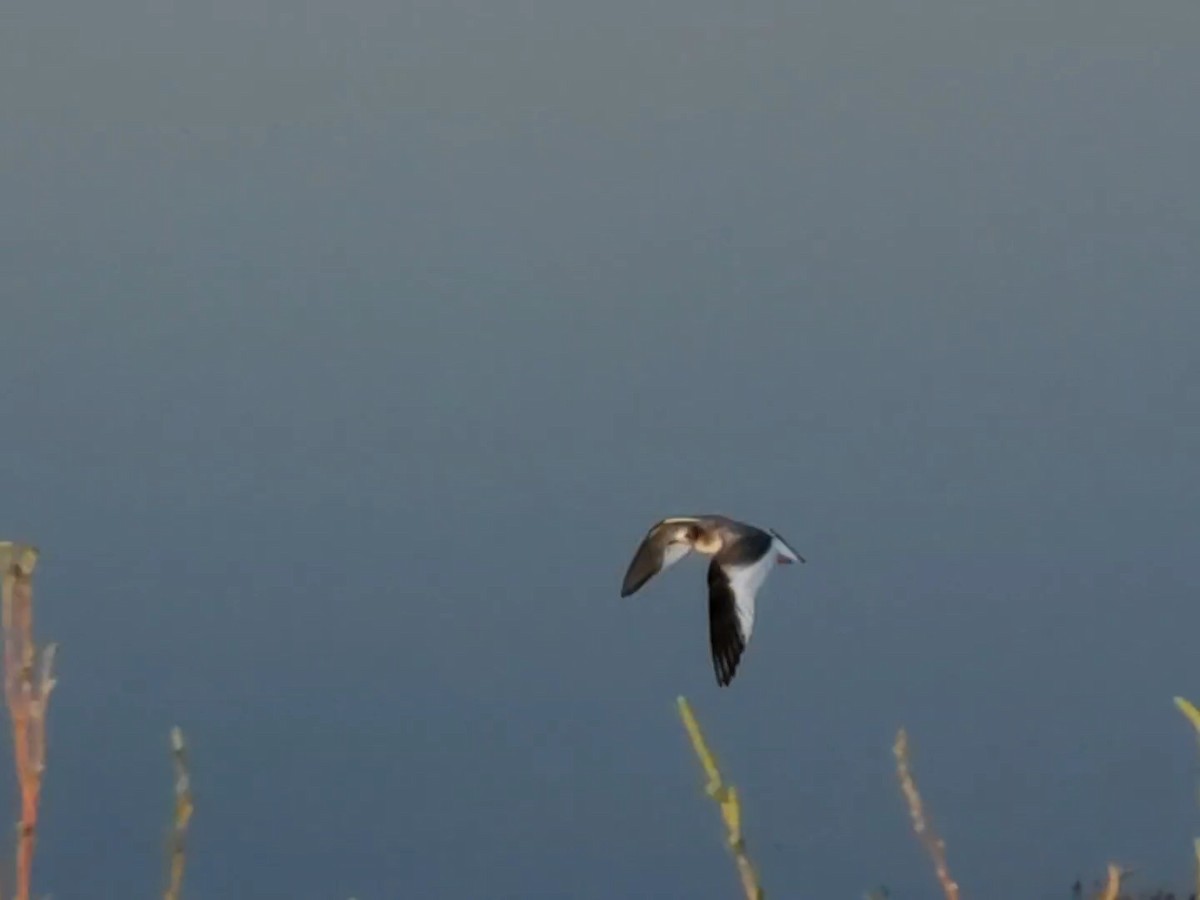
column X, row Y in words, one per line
column 731, row 591
column 787, row 547
column 655, row 553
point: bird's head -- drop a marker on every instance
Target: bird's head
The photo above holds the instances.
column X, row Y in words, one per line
column 704, row 541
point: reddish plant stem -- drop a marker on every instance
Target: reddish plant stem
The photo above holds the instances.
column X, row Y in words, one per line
column 27, row 694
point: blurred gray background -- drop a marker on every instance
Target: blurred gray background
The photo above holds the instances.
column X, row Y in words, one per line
column 349, row 349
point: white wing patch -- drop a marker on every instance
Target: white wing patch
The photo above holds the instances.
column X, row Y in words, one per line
column 745, row 581
column 672, row 554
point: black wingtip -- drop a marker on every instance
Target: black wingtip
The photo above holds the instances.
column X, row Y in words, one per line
column 725, row 664
column 726, row 670
column 639, row 573
column 633, row 582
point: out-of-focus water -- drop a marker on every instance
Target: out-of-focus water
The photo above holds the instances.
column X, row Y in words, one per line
column 349, row 350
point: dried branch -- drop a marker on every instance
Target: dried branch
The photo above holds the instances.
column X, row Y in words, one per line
column 1193, row 716
column 935, row 846
column 27, row 687
column 1112, row 887
column 177, row 855
column 727, row 798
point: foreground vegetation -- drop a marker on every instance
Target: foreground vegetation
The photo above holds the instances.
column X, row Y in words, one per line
column 29, row 681
column 1111, row 887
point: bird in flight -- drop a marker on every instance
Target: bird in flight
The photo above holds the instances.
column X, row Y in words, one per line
column 742, row 556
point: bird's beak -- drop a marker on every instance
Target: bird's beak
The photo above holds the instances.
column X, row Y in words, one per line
column 787, row 560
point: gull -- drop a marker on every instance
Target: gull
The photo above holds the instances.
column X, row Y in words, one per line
column 742, row 557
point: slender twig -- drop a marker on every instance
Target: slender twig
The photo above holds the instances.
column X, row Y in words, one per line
column 1192, row 714
column 183, row 814
column 1196, row 850
column 934, row 845
column 1112, row 887
column 727, row 798
column 27, row 687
